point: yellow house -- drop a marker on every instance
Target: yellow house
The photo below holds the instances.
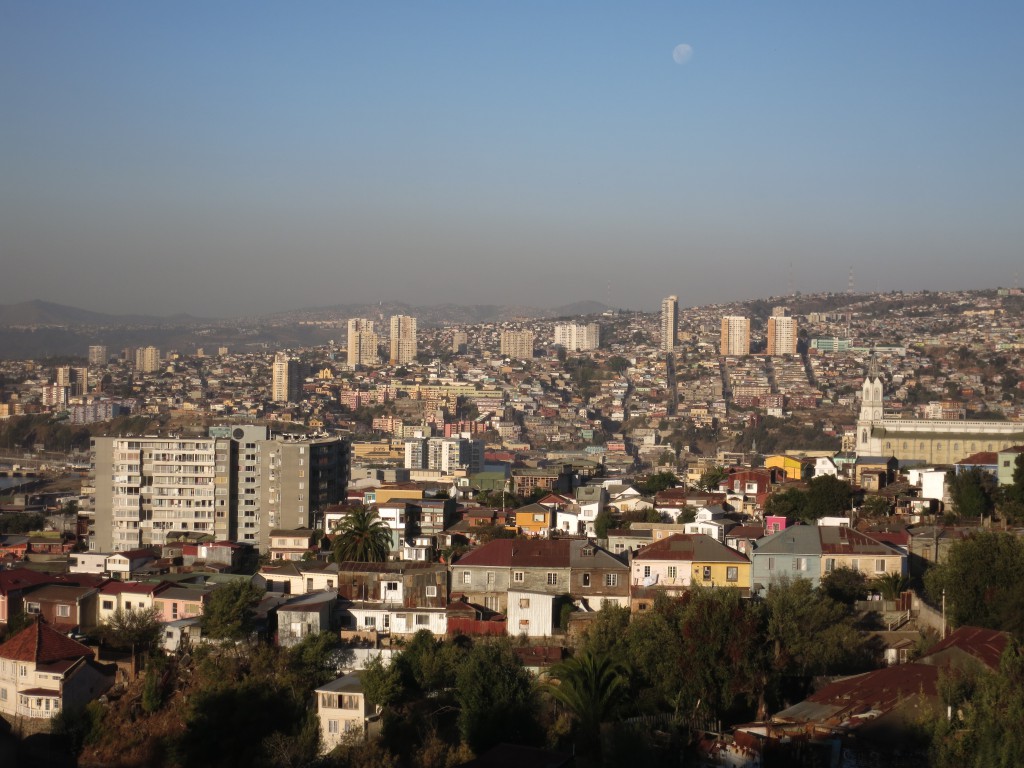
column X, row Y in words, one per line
column 843, row 547
column 788, row 464
column 404, row 491
column 683, row 560
column 535, row 520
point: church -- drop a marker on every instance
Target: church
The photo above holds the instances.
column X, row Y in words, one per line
column 927, row 440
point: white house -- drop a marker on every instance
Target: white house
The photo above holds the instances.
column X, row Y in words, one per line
column 530, row 613
column 343, row 711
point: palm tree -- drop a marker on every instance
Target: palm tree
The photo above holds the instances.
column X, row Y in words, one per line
column 591, row 686
column 363, row 537
column 891, row 585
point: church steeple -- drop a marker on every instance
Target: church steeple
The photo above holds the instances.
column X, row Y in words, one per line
column 871, row 399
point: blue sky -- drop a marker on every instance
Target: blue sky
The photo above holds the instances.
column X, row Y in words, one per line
column 225, row 158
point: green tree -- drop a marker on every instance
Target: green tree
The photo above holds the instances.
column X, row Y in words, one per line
column 845, row 585
column 138, row 631
column 973, row 493
column 891, row 585
column 876, row 506
column 382, row 683
column 362, row 537
column 496, row 697
column 606, row 632
column 987, row 732
column 592, row 687
column 983, row 580
column 658, row 482
column 602, row 523
column 1011, row 501
column 827, row 495
column 791, row 503
column 228, row 614
column 711, row 477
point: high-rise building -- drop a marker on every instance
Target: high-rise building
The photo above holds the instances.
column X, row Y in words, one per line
column 97, row 355
column 460, row 341
column 735, row 335
column 576, row 337
column 403, row 339
column 147, row 360
column 669, row 323
column 298, row 478
column 74, row 379
column 444, row 454
column 781, row 335
column 146, row 488
column 517, row 345
column 284, row 386
column 238, row 484
column 362, row 343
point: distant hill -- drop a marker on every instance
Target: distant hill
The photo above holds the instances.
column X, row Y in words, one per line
column 38, row 312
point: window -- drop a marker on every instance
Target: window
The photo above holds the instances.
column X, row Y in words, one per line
column 732, row 573
column 524, row 602
column 64, row 611
column 108, row 605
column 518, row 576
column 431, row 591
column 332, row 726
column 467, row 577
column 539, row 518
column 585, row 579
column 672, row 571
column 31, row 607
column 3, row 694
column 647, row 571
column 799, row 563
column 879, row 566
column 552, row 577
column 611, row 579
column 830, row 564
column 369, row 621
column 524, row 625
column 855, row 564
column 771, row 563
column 706, row 573
column 422, row 620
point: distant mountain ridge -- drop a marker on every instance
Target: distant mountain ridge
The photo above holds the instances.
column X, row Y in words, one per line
column 45, row 313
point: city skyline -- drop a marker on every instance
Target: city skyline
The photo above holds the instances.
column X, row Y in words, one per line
column 212, row 160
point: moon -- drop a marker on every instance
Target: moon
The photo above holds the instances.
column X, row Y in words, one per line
column 682, row 53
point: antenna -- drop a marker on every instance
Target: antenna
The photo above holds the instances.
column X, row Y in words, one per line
column 791, row 291
column 849, row 282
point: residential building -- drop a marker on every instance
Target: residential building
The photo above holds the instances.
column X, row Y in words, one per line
column 577, row 337
column 682, row 560
column 147, row 360
column 445, row 454
column 575, row 567
column 782, row 335
column 669, row 323
column 393, row 598
column 343, row 710
column 43, row 672
column 460, row 342
column 403, row 340
column 147, row 487
column 284, row 387
column 735, row 336
column 363, row 343
column 97, row 355
column 299, row 478
column 517, row 345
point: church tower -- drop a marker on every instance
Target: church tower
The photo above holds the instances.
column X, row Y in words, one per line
column 870, row 406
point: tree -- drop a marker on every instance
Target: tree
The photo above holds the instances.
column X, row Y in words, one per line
column 606, row 633
column 602, row 523
column 658, row 482
column 139, row 630
column 987, row 731
column 592, row 687
column 228, row 614
column 362, row 537
column 827, row 495
column 983, row 579
column 1011, row 505
column 973, row 493
column 711, row 477
column 791, row 503
column 845, row 585
column 496, row 697
column 891, row 585
column 876, row 506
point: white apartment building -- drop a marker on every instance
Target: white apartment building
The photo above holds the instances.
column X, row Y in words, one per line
column 284, row 386
column 363, row 342
column 517, row 345
column 577, row 337
column 669, row 323
column 403, row 339
column 782, row 335
column 735, row 335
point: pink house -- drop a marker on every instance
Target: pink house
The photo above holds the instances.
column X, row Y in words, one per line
column 775, row 523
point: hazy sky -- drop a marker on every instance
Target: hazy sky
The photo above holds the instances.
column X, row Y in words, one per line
column 229, row 157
